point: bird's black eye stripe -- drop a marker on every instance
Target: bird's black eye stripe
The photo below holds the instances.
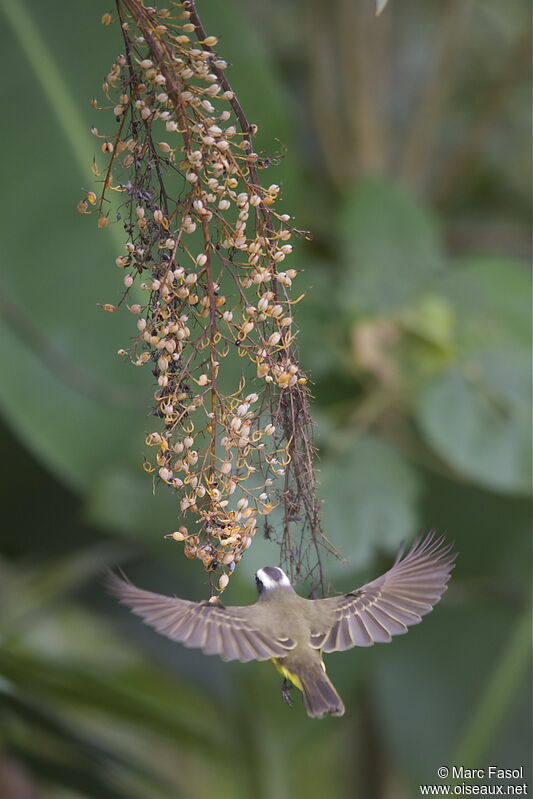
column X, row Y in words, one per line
column 259, row 584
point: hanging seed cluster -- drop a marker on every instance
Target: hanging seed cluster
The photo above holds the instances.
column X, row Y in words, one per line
column 204, row 274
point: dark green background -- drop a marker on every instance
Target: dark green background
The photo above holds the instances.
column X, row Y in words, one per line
column 407, row 144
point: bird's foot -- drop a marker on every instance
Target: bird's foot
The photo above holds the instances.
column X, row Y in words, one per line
column 286, row 692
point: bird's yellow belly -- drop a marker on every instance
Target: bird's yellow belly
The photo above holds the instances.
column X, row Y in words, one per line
column 284, row 671
column 282, row 667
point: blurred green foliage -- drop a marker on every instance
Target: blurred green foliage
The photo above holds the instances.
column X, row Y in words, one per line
column 408, row 157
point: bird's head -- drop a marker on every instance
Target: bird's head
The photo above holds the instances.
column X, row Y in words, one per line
column 271, row 578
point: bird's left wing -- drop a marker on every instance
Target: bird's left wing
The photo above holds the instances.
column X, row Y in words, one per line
column 234, row 633
column 388, row 605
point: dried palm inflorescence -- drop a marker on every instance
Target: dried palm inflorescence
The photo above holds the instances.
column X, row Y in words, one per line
column 204, row 255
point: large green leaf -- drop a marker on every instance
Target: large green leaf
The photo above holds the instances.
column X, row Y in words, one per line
column 491, row 298
column 62, row 389
column 125, row 501
column 477, row 425
column 372, row 496
column 390, row 248
column 476, row 414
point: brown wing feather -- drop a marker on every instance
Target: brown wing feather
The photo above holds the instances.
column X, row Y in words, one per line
column 232, row 632
column 390, row 604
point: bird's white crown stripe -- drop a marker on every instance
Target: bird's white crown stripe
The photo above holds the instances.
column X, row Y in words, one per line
column 269, row 582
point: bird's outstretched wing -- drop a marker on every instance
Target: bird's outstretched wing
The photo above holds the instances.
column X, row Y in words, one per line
column 389, row 605
column 231, row 632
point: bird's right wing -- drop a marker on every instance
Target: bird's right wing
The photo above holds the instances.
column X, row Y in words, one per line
column 386, row 606
column 234, row 633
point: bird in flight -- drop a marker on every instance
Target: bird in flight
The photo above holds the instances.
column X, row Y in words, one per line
column 293, row 631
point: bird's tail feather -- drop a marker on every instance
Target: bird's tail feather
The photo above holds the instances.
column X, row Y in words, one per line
column 320, row 696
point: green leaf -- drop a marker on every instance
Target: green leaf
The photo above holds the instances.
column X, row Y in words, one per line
column 478, row 420
column 430, row 685
column 476, row 414
column 491, row 298
column 430, row 319
column 507, row 676
column 45, row 723
column 75, row 435
column 28, row 598
column 51, row 81
column 371, row 495
column 126, row 501
column 86, row 781
column 62, row 390
column 145, row 698
column 390, row 248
